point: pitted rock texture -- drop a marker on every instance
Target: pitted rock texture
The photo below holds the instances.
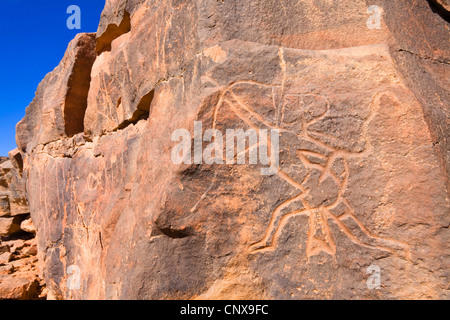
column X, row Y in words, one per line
column 364, row 156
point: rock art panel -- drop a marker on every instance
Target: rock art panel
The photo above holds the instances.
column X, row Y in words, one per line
column 359, row 181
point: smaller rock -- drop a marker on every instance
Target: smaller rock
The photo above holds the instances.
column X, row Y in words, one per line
column 15, row 245
column 4, row 248
column 6, row 269
column 30, row 242
column 4, row 206
column 19, row 206
column 44, row 292
column 6, row 166
column 18, row 288
column 16, row 159
column 28, row 226
column 21, row 264
column 9, row 226
column 5, row 257
column 32, row 251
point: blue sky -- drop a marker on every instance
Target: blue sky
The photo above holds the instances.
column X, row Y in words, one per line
column 34, row 37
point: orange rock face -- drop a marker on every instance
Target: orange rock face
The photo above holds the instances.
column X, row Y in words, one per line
column 20, row 278
column 362, row 177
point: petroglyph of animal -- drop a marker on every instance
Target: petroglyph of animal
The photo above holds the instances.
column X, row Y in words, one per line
column 315, row 163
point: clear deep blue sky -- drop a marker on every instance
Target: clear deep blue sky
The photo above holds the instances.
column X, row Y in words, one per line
column 34, row 37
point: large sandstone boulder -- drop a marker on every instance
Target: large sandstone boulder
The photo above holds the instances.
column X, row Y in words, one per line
column 361, row 183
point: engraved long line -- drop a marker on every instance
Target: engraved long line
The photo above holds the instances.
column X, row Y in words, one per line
column 219, row 103
column 254, row 114
column 353, row 238
column 274, row 214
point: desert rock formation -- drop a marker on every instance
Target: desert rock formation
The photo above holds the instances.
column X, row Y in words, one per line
column 363, row 178
column 20, row 278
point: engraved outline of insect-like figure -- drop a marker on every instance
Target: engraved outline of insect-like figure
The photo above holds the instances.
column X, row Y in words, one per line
column 319, row 237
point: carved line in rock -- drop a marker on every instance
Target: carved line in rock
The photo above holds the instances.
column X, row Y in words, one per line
column 318, row 216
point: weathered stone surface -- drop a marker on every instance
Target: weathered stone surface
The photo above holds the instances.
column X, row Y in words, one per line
column 6, row 166
column 17, row 197
column 9, row 226
column 363, row 172
column 6, row 269
column 28, row 226
column 58, row 108
column 19, row 271
column 4, row 248
column 17, row 288
column 422, row 53
column 4, row 206
column 16, row 244
column 5, row 257
column 114, row 22
column 12, row 187
column 31, row 250
column 5, row 177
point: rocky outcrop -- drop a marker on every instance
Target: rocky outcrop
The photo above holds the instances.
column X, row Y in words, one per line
column 13, row 204
column 58, row 109
column 362, row 179
column 20, row 278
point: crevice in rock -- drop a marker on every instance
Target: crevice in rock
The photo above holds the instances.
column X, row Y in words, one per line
column 100, row 240
column 439, row 8
column 112, row 32
column 143, row 108
column 174, row 233
column 78, row 88
column 18, row 161
column 142, row 111
column 425, row 57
